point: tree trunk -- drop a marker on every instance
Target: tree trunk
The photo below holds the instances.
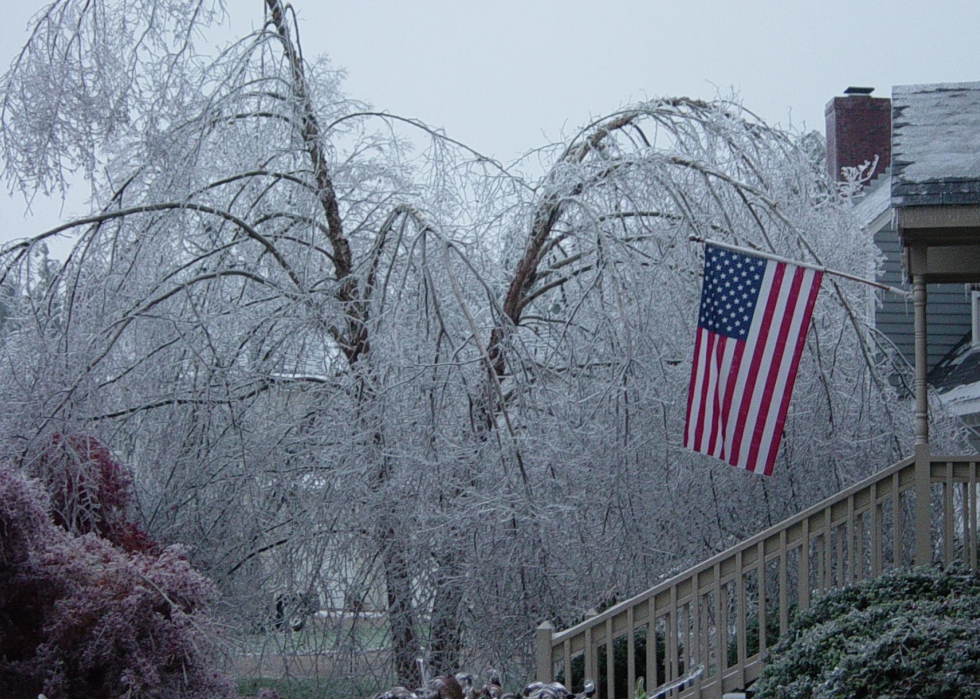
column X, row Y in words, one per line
column 445, row 643
column 398, row 584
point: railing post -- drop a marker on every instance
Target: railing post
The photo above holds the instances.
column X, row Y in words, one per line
column 591, row 663
column 545, row 666
column 923, row 487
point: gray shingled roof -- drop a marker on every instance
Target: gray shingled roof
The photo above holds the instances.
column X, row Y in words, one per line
column 936, row 144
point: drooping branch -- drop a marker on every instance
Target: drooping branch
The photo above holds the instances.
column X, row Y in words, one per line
column 15, row 253
column 545, row 218
column 310, row 133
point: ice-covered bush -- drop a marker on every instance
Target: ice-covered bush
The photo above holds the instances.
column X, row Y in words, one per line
column 906, row 634
column 80, row 617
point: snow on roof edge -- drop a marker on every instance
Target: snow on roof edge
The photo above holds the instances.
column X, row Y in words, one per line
column 936, row 87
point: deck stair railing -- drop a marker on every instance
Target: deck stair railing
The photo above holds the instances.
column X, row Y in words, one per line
column 713, row 623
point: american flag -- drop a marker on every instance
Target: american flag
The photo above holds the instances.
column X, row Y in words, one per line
column 752, row 323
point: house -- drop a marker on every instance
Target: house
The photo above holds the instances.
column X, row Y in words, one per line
column 873, row 133
column 935, row 191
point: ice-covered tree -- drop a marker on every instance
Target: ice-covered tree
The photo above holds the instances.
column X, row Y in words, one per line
column 347, row 354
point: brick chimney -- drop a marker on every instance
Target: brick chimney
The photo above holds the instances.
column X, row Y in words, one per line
column 859, row 127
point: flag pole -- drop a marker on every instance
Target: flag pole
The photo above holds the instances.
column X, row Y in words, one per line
column 807, row 265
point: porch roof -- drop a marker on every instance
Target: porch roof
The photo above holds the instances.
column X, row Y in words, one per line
column 936, row 144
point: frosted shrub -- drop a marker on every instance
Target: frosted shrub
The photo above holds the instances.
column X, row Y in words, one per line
column 907, row 634
column 80, row 617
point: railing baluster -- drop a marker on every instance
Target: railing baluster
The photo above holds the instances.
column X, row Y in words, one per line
column 631, row 653
column 964, row 488
column 828, row 538
column 740, row 617
column 652, row 680
column 840, row 578
column 877, row 538
column 783, row 584
column 704, row 640
column 686, row 634
column 653, row 660
column 862, row 532
column 610, row 661
column 897, row 548
column 804, row 562
column 670, row 630
column 859, row 528
column 971, row 540
column 724, row 631
column 819, row 543
column 721, row 631
column 762, row 597
column 851, row 555
column 949, row 529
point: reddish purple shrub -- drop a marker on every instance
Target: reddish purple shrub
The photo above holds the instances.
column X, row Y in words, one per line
column 24, row 523
column 80, row 617
column 24, row 529
column 90, row 491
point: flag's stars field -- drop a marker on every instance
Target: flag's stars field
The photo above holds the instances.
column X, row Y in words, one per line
column 732, row 284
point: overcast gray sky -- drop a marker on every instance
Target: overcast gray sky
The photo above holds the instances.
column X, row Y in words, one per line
column 510, row 75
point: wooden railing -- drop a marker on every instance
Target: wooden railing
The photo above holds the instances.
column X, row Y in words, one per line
column 705, row 631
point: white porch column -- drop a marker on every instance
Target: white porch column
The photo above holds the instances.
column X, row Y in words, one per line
column 923, row 487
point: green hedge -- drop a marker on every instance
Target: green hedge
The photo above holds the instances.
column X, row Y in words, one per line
column 908, row 634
